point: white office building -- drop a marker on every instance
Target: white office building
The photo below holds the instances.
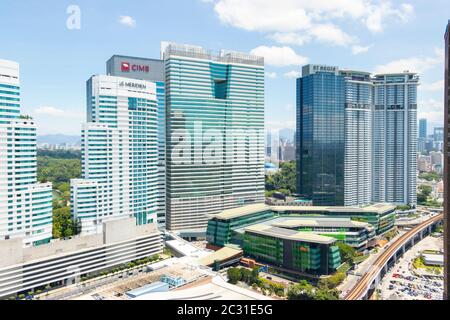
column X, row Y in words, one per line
column 25, row 205
column 119, row 154
column 395, row 138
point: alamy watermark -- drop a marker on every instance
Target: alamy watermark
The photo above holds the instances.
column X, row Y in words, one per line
column 73, row 21
column 200, row 146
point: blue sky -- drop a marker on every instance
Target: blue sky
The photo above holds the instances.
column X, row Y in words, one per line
column 372, row 35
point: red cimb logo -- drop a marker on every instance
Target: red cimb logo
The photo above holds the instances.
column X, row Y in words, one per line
column 125, row 67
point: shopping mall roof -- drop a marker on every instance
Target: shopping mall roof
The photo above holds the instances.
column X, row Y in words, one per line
column 379, row 208
column 287, row 234
column 320, row 222
column 241, row 211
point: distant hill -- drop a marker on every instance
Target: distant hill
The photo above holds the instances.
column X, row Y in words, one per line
column 58, row 139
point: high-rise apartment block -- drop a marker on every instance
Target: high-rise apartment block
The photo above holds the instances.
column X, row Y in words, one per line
column 395, row 138
column 215, row 134
column 351, row 128
column 25, row 205
column 119, row 154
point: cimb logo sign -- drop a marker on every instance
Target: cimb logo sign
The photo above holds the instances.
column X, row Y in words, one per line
column 128, row 67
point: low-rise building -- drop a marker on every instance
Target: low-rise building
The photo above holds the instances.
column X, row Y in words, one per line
column 293, row 250
column 63, row 262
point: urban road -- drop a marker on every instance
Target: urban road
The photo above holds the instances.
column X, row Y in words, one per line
column 362, row 286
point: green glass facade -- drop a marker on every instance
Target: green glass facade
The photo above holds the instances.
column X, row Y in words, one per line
column 301, row 256
column 220, row 232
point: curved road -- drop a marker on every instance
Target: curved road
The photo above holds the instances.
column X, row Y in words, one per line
column 359, row 289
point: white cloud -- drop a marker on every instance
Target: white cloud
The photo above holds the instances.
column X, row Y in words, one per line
column 413, row 64
column 357, row 49
column 293, row 74
column 263, row 15
column 296, row 22
column 432, row 110
column 279, row 56
column 271, row 75
column 330, row 34
column 127, row 21
column 378, row 13
column 291, row 38
column 434, row 86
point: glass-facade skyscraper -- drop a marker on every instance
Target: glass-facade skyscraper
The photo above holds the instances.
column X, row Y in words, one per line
column 321, row 135
column 119, row 154
column 423, row 128
column 25, row 205
column 356, row 137
column 215, row 134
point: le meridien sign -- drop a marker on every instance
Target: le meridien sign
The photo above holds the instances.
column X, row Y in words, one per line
column 133, row 85
column 129, row 67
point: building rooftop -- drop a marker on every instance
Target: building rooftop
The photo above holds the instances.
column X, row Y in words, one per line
column 287, row 234
column 241, row 211
column 378, row 208
column 135, row 58
column 197, row 52
column 321, row 222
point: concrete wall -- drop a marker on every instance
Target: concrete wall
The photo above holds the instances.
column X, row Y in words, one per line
column 62, row 246
column 119, row 230
column 11, row 252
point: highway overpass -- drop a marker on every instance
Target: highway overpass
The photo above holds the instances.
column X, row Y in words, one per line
column 370, row 280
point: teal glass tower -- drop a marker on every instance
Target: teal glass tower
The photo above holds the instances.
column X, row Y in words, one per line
column 215, row 134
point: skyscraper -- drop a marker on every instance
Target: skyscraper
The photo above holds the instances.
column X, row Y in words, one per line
column 215, row 134
column 446, row 166
column 25, row 205
column 321, row 135
column 356, row 136
column 149, row 70
column 334, row 121
column 423, row 128
column 395, row 138
column 119, row 154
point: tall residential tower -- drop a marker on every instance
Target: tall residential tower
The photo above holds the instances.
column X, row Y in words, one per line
column 25, row 205
column 395, row 138
column 119, row 154
column 215, row 134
